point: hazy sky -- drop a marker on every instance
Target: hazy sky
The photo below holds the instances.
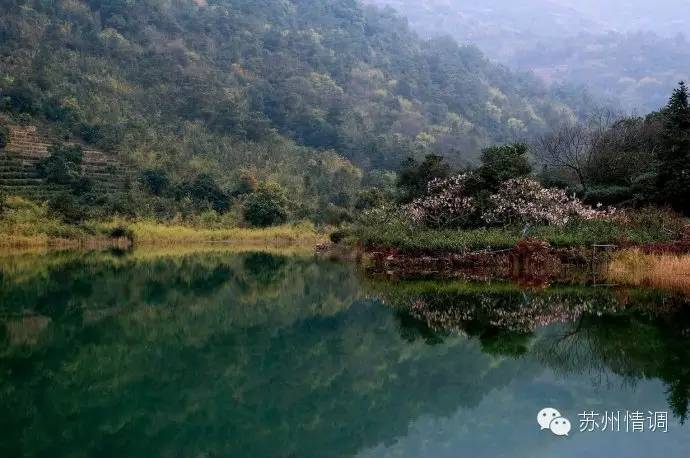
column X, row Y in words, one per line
column 667, row 17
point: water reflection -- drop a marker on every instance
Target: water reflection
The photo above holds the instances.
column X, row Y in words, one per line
column 635, row 334
column 262, row 355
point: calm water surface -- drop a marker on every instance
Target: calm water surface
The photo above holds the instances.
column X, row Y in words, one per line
column 261, row 355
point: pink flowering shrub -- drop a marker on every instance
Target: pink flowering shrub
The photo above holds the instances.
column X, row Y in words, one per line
column 523, row 200
column 451, row 203
column 448, row 203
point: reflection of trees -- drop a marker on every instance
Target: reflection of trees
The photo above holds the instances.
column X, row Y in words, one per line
column 234, row 358
column 633, row 334
column 496, row 313
column 633, row 344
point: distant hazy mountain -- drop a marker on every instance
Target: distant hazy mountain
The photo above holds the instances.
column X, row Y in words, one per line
column 632, row 50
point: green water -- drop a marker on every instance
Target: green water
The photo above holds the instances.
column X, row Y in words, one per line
column 259, row 355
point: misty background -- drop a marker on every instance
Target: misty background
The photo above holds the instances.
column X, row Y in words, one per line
column 629, row 52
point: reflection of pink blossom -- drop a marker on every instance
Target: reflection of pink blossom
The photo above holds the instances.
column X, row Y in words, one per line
column 534, row 313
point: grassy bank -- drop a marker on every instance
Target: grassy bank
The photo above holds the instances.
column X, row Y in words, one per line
column 671, row 272
column 156, row 233
column 638, row 229
column 25, row 225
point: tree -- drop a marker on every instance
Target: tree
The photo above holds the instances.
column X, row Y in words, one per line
column 503, row 163
column 247, row 183
column 625, row 151
column 67, row 207
column 568, row 147
column 3, row 202
column 63, row 165
column 204, row 190
column 155, row 181
column 4, row 135
column 674, row 155
column 414, row 178
column 267, row 206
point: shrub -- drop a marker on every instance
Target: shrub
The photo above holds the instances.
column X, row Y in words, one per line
column 205, row 190
column 414, row 178
column 266, row 207
column 155, row 181
column 66, row 207
column 448, row 203
column 63, row 165
column 523, row 200
column 121, row 231
column 4, row 136
column 82, row 186
column 457, row 203
column 247, row 183
column 333, row 214
column 503, row 163
column 3, row 202
column 209, row 219
column 339, row 235
column 370, row 198
column 610, row 195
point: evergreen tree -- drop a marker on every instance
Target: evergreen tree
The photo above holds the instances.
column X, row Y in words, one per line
column 414, row 178
column 674, row 155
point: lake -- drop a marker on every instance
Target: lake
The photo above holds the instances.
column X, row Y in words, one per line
column 215, row 354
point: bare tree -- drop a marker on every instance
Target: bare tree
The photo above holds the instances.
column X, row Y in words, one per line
column 608, row 145
column 568, row 146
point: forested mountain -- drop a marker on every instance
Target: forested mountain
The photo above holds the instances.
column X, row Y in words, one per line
column 174, row 81
column 634, row 69
column 631, row 52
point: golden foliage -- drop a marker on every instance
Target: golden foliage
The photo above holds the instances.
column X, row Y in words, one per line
column 665, row 271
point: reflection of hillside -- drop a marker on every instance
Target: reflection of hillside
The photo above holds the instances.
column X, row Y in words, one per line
column 222, row 355
column 100, row 284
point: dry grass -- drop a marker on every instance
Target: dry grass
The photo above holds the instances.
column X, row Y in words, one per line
column 27, row 225
column 666, row 271
column 153, row 233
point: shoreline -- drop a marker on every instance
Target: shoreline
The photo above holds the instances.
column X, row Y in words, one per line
column 150, row 234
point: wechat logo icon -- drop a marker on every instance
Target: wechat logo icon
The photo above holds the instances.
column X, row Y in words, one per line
column 552, row 420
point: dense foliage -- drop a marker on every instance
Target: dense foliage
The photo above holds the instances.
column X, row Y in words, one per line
column 63, row 165
column 229, row 86
column 634, row 163
column 4, row 135
column 674, row 154
column 629, row 52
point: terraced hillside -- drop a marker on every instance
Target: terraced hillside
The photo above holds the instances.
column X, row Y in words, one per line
column 28, row 145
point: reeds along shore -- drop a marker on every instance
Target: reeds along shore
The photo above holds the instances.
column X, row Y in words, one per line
column 155, row 234
column 666, row 271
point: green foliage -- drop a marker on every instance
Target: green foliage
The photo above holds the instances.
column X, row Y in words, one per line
column 370, row 198
column 83, row 185
column 326, row 75
column 63, row 165
column 502, row 163
column 67, row 207
column 121, row 231
column 674, row 156
column 609, row 195
column 4, row 135
column 248, row 183
column 206, row 193
column 3, row 202
column 387, row 227
column 268, row 206
column 414, row 177
column 155, row 181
